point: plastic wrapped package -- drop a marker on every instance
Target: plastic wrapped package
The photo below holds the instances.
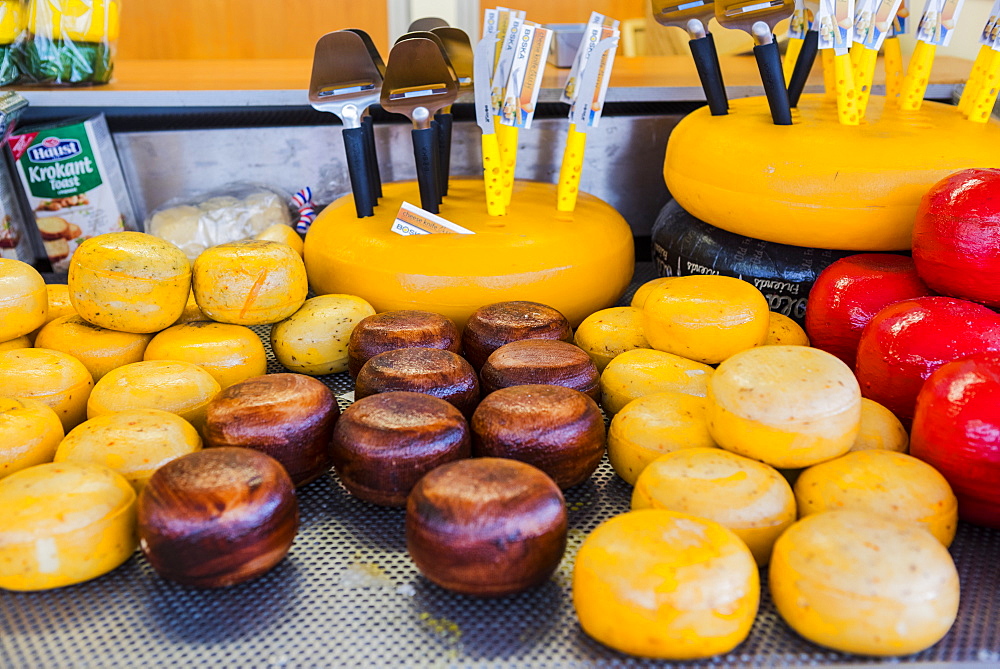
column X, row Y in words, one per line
column 13, row 18
column 233, row 212
column 68, row 42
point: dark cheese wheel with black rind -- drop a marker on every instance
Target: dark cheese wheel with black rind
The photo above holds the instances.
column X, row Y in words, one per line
column 684, row 245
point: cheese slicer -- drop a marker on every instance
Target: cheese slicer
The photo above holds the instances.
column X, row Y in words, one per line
column 418, row 83
column 345, row 81
column 693, row 18
column 758, row 18
column 459, row 49
column 366, row 118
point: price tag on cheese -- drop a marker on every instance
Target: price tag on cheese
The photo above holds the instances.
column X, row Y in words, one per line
column 412, row 220
column 532, row 49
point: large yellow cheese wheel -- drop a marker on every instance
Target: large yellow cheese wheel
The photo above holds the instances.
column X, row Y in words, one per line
column 665, row 585
column 576, row 262
column 99, row 349
column 134, row 443
column 230, row 353
column 64, row 523
column 171, row 385
column 129, row 281
column 249, row 282
column 23, row 299
column 862, row 583
column 56, row 379
column 817, row 182
column 31, row 432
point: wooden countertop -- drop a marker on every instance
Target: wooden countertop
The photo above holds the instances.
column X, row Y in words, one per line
column 283, row 82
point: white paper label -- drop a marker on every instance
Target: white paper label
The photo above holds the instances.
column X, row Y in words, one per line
column 412, row 220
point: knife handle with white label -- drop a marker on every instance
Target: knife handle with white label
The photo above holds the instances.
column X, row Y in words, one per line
column 357, row 169
column 864, row 75
column 893, row 68
column 847, row 96
column 917, row 75
column 569, row 172
column 975, row 79
column 492, row 171
column 424, row 153
column 706, row 63
column 507, row 138
column 989, row 84
column 803, row 66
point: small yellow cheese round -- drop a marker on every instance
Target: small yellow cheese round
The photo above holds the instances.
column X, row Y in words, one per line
column 749, row 497
column 64, row 523
column 249, row 282
column 639, row 298
column 643, row 371
column 171, row 385
column 608, row 333
column 23, row 341
column 880, row 429
column 23, row 299
column 99, row 349
column 134, row 443
column 56, row 379
column 891, row 484
column 783, row 331
column 653, row 425
column 705, row 317
column 665, row 585
column 279, row 232
column 192, row 312
column 129, row 281
column 230, row 353
column 788, row 406
column 862, row 583
column 314, row 339
column 59, row 306
column 30, row 433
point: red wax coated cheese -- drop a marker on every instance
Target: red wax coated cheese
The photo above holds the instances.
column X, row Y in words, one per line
column 849, row 293
column 956, row 429
column 908, row 340
column 956, row 236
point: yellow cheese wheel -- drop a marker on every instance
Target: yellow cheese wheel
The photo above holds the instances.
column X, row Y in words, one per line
column 665, row 585
column 99, row 349
column 129, row 281
column 279, row 232
column 170, row 385
column 653, row 425
column 783, row 331
column 705, row 317
column 749, row 497
column 230, row 353
column 862, row 583
column 314, row 339
column 23, row 299
column 819, row 183
column 576, row 262
column 23, row 341
column 56, row 379
column 788, row 406
column 607, row 333
column 643, row 371
column 192, row 312
column 880, row 429
column 643, row 291
column 59, row 306
column 31, row 431
column 64, row 523
column 134, row 443
column 891, row 484
column 249, row 282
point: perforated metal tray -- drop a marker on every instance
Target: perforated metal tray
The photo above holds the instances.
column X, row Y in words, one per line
column 348, row 595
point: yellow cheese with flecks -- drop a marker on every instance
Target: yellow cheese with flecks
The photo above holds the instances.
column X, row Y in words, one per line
column 643, row 291
column 64, row 523
column 31, row 432
column 820, row 183
column 749, row 497
column 788, row 406
column 279, row 232
column 230, row 353
column 643, row 371
column 665, row 585
column 134, row 443
column 23, row 299
column 129, row 281
column 576, row 262
column 861, row 583
column 20, row 342
column 192, row 312
column 654, row 425
column 59, row 306
column 56, row 379
column 99, row 349
column 249, row 282
column 610, row 332
column 783, row 331
column 170, row 385
column 314, row 339
column 880, row 429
